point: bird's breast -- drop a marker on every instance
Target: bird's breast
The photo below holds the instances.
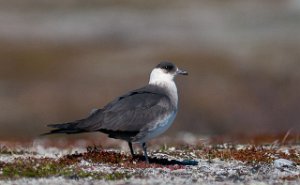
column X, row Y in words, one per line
column 161, row 126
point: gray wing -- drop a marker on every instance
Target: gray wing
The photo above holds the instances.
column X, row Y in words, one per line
column 134, row 111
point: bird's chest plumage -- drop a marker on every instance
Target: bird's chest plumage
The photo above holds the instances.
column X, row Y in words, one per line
column 160, row 127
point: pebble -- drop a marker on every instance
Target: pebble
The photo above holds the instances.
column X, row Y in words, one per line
column 283, row 164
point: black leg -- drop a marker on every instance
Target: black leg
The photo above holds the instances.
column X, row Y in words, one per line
column 145, row 152
column 131, row 149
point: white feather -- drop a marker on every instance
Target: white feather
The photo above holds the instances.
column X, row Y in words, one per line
column 166, row 80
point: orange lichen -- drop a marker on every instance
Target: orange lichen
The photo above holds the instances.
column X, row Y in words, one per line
column 250, row 154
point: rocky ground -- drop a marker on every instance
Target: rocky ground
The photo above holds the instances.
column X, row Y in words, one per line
column 175, row 164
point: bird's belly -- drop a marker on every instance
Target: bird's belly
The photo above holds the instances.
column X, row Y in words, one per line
column 160, row 128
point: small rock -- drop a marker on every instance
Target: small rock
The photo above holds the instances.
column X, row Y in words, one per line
column 235, row 178
column 219, row 178
column 172, row 149
column 74, row 177
column 222, row 172
column 255, row 168
column 284, row 164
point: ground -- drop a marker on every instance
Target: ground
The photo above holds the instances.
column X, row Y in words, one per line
column 181, row 163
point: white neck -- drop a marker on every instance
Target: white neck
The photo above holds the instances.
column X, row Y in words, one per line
column 165, row 80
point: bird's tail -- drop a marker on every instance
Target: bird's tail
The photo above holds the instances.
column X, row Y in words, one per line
column 88, row 124
column 65, row 128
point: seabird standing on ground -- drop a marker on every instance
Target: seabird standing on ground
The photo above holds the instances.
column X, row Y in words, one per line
column 137, row 116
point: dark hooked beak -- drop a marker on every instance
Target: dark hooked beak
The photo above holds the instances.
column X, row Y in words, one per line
column 181, row 72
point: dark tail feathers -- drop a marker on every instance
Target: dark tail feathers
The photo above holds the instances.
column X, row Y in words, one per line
column 79, row 126
column 65, row 128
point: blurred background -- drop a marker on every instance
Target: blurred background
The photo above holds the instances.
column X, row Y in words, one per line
column 59, row 59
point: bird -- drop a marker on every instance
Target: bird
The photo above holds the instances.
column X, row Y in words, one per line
column 137, row 116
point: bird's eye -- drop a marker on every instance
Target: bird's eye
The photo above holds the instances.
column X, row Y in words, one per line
column 168, row 67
